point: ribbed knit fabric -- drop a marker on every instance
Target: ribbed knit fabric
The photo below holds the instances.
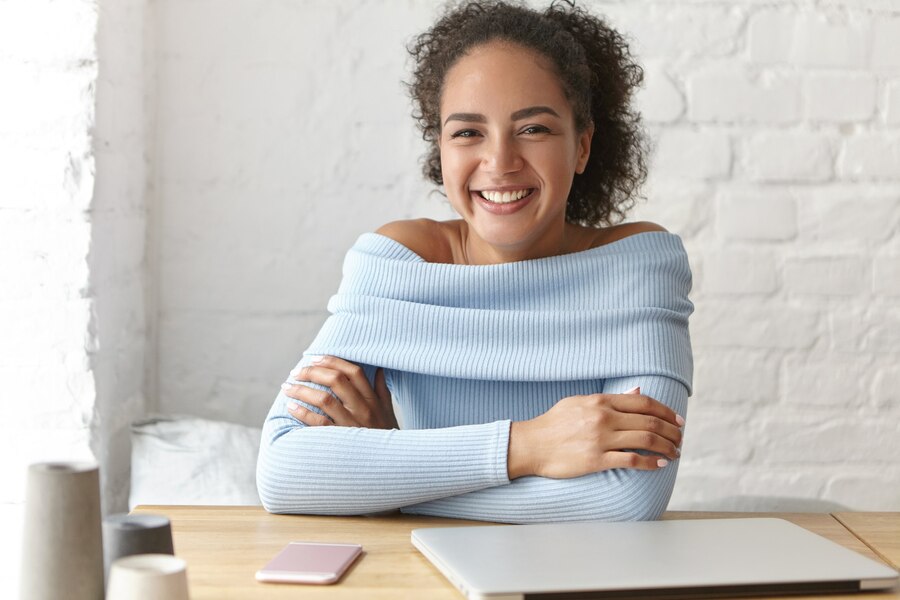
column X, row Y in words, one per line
column 467, row 349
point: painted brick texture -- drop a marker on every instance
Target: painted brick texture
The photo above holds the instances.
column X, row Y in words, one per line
column 48, row 64
column 48, row 388
column 73, row 335
column 796, row 264
column 283, row 133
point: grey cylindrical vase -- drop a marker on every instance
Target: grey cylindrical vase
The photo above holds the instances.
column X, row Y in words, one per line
column 62, row 553
column 125, row 535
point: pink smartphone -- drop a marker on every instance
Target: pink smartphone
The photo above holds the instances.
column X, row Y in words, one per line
column 309, row 562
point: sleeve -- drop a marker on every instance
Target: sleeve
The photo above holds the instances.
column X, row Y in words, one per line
column 613, row 495
column 351, row 471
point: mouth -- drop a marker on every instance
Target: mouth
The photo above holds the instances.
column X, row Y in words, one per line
column 505, row 196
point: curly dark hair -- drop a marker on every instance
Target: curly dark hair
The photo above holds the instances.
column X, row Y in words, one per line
column 598, row 77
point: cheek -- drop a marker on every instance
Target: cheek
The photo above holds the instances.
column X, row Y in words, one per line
column 557, row 162
column 454, row 165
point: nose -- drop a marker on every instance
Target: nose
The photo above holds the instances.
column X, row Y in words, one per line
column 501, row 156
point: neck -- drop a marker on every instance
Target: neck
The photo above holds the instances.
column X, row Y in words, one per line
column 476, row 251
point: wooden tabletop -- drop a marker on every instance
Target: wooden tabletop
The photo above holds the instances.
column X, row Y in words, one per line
column 224, row 547
column 879, row 531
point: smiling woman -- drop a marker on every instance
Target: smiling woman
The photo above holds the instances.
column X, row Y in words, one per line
column 538, row 354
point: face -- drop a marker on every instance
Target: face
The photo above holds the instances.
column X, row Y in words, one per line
column 509, row 151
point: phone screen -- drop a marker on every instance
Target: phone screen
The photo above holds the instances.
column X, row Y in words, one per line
column 309, row 562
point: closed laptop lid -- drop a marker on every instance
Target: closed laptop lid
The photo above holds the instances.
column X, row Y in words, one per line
column 659, row 559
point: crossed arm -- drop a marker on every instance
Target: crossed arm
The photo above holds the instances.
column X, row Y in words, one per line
column 615, row 494
column 579, row 462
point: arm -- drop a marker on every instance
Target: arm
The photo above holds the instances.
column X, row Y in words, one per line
column 354, row 470
column 611, row 495
column 607, row 494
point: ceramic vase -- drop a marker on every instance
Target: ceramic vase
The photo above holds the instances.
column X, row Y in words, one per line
column 148, row 577
column 62, row 553
column 125, row 535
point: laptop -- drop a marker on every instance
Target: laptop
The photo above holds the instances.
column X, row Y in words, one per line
column 705, row 558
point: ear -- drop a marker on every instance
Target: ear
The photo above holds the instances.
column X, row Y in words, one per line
column 584, row 148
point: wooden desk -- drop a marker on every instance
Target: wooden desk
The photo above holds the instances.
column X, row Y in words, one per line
column 879, row 531
column 224, row 547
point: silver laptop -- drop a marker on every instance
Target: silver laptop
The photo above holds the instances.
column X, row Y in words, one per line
column 656, row 559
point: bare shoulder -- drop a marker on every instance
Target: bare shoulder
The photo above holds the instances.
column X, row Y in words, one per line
column 624, row 230
column 640, row 227
column 427, row 238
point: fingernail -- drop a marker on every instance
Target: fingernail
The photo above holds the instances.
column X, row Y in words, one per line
column 680, row 420
column 677, row 451
column 636, row 390
column 285, row 386
column 292, row 406
column 662, row 463
column 318, row 360
column 295, row 372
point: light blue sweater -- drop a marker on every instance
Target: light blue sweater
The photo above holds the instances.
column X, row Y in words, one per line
column 468, row 349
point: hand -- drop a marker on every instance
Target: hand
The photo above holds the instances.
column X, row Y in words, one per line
column 356, row 405
column 586, row 434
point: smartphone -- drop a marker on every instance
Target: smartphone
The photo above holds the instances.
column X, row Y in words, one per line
column 310, row 562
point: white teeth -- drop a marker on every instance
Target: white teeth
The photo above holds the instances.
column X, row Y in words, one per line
column 504, row 197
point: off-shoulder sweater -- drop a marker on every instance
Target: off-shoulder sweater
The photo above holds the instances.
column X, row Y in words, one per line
column 467, row 350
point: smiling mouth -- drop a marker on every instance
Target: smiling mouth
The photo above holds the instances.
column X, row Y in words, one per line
column 506, row 197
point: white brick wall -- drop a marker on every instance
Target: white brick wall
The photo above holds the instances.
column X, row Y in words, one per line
column 799, row 36
column 284, row 133
column 826, row 275
column 785, row 157
column 797, row 267
column 72, row 230
column 738, row 272
column 660, row 100
column 892, row 103
column 886, row 275
column 871, row 156
column 886, row 43
column 831, row 97
column 722, row 94
column 691, row 155
column 48, row 65
column 756, row 214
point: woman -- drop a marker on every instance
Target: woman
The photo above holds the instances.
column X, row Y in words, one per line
column 539, row 356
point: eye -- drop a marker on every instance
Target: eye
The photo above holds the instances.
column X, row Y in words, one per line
column 464, row 133
column 535, row 129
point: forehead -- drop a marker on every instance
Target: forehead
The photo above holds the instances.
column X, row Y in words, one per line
column 502, row 77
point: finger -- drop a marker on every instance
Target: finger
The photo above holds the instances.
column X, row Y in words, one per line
column 291, row 390
column 632, row 460
column 352, row 371
column 308, row 417
column 334, row 379
column 344, row 372
column 644, row 440
column 324, row 401
column 649, row 423
column 640, row 404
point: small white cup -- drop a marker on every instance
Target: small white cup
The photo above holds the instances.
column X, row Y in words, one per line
column 148, row 577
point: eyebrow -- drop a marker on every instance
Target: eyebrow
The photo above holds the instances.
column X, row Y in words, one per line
column 531, row 111
column 520, row 114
